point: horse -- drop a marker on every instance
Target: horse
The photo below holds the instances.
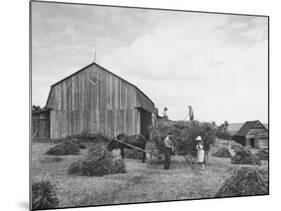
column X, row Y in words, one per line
column 121, row 140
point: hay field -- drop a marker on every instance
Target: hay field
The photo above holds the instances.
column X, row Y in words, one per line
column 142, row 182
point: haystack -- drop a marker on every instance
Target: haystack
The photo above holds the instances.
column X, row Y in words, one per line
column 245, row 181
column 222, row 152
column 262, row 155
column 98, row 162
column 245, row 156
column 64, row 149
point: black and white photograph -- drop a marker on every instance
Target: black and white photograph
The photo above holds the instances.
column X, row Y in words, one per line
column 137, row 105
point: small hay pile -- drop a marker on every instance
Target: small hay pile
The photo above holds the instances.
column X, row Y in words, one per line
column 245, row 181
column 235, row 147
column 77, row 143
column 245, row 156
column 222, row 152
column 262, row 155
column 44, row 195
column 86, row 137
column 99, row 162
column 64, row 149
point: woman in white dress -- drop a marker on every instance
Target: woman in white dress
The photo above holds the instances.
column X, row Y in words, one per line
column 200, row 151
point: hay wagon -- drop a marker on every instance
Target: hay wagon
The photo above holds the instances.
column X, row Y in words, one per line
column 158, row 150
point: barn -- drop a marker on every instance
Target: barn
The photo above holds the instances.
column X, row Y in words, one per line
column 252, row 133
column 95, row 100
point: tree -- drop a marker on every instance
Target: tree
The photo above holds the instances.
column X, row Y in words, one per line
column 223, row 132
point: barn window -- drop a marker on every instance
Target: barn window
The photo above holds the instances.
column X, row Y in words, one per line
column 94, row 80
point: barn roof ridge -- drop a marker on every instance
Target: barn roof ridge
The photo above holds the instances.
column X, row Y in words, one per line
column 94, row 63
column 246, row 127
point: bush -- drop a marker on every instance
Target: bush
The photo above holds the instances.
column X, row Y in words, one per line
column 44, row 195
column 64, row 149
column 222, row 152
column 245, row 181
column 224, row 135
column 244, row 156
column 98, row 162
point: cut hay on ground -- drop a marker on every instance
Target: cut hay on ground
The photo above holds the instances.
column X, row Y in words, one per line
column 51, row 160
column 44, row 195
column 222, row 152
column 99, row 162
column 244, row 156
column 245, row 181
column 262, row 155
column 64, row 149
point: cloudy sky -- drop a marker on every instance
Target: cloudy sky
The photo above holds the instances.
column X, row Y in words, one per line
column 216, row 63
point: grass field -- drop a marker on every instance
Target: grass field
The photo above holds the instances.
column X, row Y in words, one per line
column 142, row 182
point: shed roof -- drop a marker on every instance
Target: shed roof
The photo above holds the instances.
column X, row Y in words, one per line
column 144, row 100
column 247, row 126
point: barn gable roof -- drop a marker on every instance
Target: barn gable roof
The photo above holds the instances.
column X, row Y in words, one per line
column 247, row 126
column 144, row 101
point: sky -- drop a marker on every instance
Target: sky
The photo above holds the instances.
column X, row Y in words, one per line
column 216, row 63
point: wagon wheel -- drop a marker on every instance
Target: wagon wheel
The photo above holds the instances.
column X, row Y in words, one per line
column 153, row 153
column 206, row 157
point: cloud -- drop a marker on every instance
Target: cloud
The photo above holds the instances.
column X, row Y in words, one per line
column 180, row 63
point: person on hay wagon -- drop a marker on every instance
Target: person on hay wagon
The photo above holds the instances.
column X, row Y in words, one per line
column 190, row 113
column 200, row 152
column 168, row 150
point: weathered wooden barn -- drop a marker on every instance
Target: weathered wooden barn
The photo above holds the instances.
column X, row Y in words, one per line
column 95, row 100
column 252, row 133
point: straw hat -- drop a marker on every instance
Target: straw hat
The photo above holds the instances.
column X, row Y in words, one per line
column 198, row 138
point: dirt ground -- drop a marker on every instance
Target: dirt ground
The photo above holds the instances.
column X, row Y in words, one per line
column 143, row 181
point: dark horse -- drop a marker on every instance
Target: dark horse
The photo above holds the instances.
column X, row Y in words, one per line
column 134, row 140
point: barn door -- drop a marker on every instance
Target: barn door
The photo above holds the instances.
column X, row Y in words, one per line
column 145, row 118
column 41, row 126
column 252, row 142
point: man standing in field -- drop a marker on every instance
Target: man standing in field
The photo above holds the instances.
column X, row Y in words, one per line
column 169, row 148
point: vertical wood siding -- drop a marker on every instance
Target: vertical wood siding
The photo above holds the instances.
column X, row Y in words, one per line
column 108, row 107
column 41, row 125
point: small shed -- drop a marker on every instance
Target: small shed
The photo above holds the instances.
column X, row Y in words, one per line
column 41, row 123
column 253, row 134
